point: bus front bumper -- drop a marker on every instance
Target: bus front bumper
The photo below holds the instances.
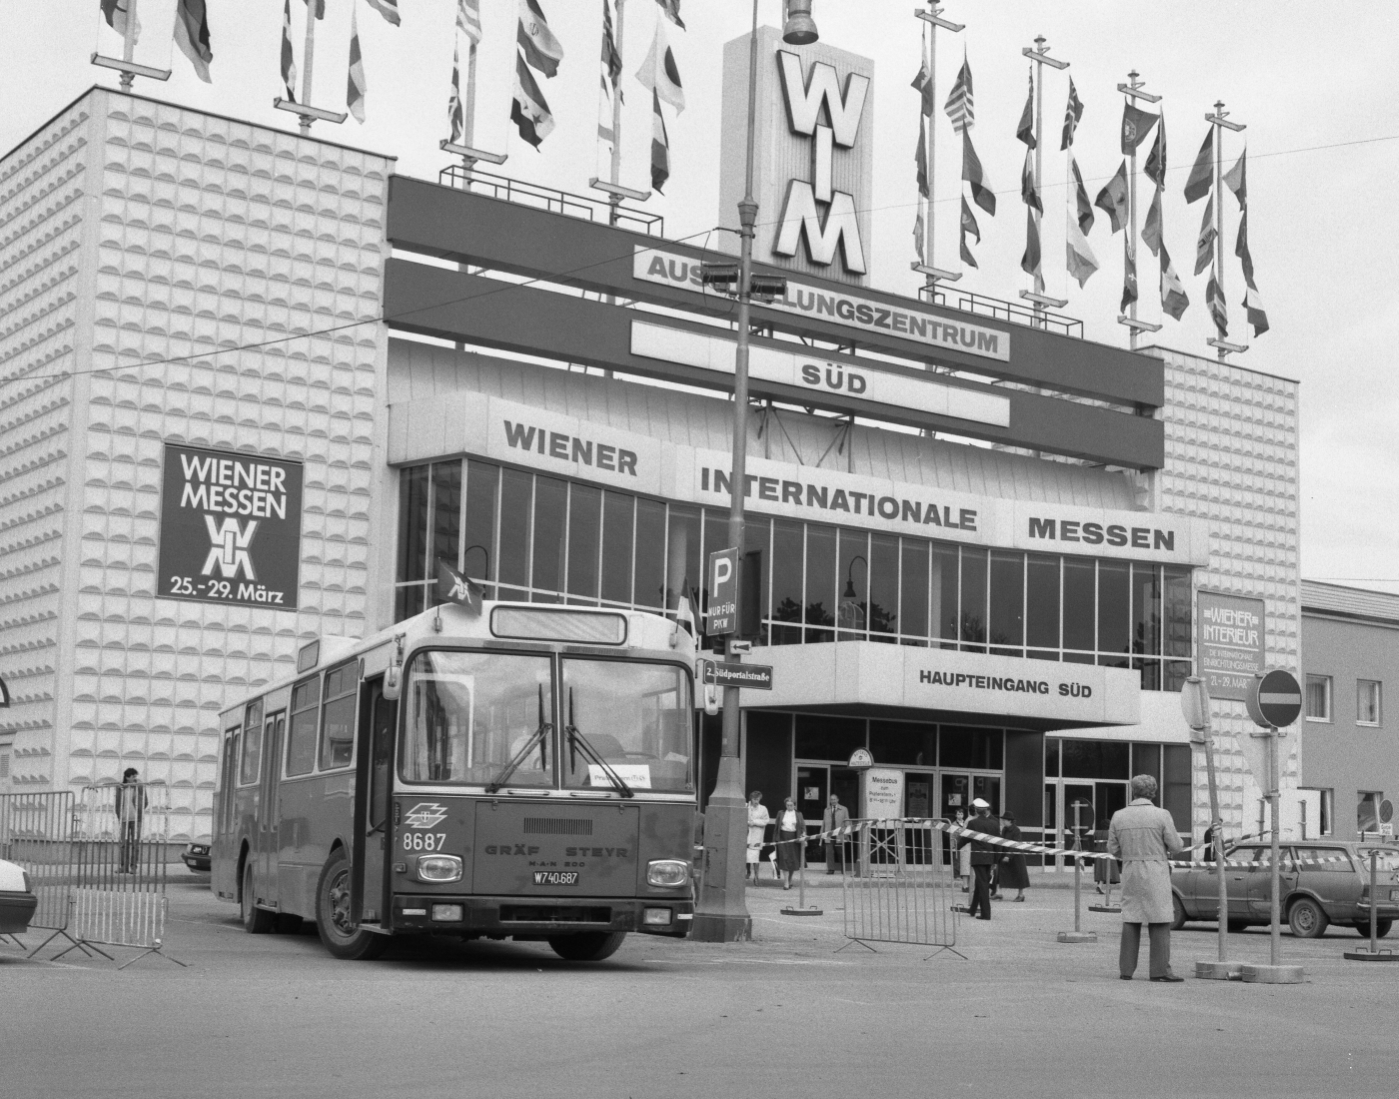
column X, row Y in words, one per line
column 540, row 917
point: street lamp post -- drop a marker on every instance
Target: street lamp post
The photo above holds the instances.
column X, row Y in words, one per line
column 722, row 913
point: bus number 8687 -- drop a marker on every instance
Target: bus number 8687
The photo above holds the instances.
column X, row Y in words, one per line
column 424, row 841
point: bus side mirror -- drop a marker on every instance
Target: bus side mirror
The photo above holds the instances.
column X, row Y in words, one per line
column 393, row 677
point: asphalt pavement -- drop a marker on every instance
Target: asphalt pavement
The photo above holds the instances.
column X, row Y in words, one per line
column 789, row 1013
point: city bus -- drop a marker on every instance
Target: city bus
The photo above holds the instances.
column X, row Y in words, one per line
column 526, row 772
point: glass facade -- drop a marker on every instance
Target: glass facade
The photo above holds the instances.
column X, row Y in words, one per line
column 537, row 538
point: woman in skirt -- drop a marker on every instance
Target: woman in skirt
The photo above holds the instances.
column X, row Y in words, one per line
column 1014, row 875
column 791, row 826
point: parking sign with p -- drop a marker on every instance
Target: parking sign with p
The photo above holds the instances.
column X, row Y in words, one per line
column 723, row 593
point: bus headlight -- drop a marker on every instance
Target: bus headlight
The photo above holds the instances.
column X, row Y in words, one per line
column 667, row 873
column 439, row 868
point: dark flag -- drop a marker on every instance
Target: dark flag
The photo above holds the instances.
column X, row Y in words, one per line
column 968, row 226
column 973, row 173
column 1026, row 130
column 288, row 58
column 542, row 50
column 1136, row 124
column 1156, row 159
column 1129, row 282
column 1085, row 208
column 671, row 8
column 192, row 35
column 1030, row 261
column 660, row 145
column 1202, row 174
column 1219, row 312
column 456, row 587
column 1151, row 231
column 923, row 85
column 1204, row 243
column 1028, row 192
column 1253, row 304
column 921, row 156
column 1235, row 181
column 529, row 110
column 1173, row 298
column 1113, row 198
column 611, row 59
column 1072, row 113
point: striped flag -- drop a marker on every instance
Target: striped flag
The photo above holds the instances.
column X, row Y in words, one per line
column 1073, row 111
column 1174, row 301
column 968, row 225
column 288, row 58
column 611, row 58
column 1219, row 311
column 469, row 19
column 671, row 8
column 529, row 110
column 456, row 117
column 1204, row 243
column 540, row 48
column 959, row 106
column 1253, row 304
column 1202, row 173
column 660, row 145
column 388, row 9
column 115, row 12
column 659, row 73
column 982, row 193
column 192, row 35
column 356, row 88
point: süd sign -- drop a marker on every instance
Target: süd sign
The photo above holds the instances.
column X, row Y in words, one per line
column 230, row 528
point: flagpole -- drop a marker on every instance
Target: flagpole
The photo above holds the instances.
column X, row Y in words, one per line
column 468, row 125
column 1217, row 120
column 305, row 113
column 1132, row 90
column 1037, row 296
column 127, row 66
column 612, row 187
column 928, row 268
column 467, row 149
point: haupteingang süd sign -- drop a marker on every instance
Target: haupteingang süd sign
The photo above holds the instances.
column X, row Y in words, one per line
column 230, row 528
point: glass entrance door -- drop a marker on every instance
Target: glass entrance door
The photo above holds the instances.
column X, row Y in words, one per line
column 813, row 785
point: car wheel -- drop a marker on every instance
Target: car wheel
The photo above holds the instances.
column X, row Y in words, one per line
column 587, row 946
column 256, row 921
column 1178, row 911
column 1362, row 928
column 333, row 923
column 1306, row 919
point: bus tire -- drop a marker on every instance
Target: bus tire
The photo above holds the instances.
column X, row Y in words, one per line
column 333, row 916
column 587, row 946
column 256, row 921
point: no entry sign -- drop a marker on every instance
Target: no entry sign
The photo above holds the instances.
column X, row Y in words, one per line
column 1275, row 699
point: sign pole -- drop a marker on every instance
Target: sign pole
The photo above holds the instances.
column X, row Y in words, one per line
column 1274, row 778
column 1195, row 705
column 1078, row 935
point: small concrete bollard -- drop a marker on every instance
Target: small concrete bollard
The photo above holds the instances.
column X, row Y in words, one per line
column 1272, row 974
column 1219, row 971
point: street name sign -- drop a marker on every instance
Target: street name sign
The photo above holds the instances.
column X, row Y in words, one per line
column 723, row 673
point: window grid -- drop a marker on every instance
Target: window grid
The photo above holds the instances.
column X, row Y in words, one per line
column 1367, row 702
column 1318, row 698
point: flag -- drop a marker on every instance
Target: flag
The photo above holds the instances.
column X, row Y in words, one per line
column 456, row 117
column 1113, row 198
column 1253, row 304
column 1173, row 298
column 1202, row 173
column 1080, row 199
column 968, row 226
column 387, row 8
column 659, row 72
column 920, row 156
column 456, row 587
column 541, row 49
column 1028, row 192
column 529, row 110
column 959, row 106
column 1204, row 243
column 469, row 19
column 1026, row 130
column 1073, row 111
column 1235, row 181
column 1156, row 159
column 356, row 88
column 611, row 59
column 1030, row 260
column 288, row 58
column 1081, row 260
column 1151, row 231
column 919, row 233
column 684, row 616
column 671, row 8
column 1219, row 312
column 1129, row 281
column 192, row 35
column 923, row 85
column 1136, row 124
column 660, row 145
column 973, row 173
column 115, row 12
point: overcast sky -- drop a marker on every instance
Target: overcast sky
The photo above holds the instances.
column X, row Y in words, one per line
column 1316, row 87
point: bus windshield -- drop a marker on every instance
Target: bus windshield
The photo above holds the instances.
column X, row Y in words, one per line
column 469, row 714
column 635, row 716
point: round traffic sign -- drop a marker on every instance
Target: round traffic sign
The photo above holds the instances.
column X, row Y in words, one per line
column 1386, row 811
column 1274, row 699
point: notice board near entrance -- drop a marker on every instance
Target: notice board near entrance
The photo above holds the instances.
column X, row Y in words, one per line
column 1230, row 642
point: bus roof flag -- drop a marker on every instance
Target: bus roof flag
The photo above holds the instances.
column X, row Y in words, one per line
column 455, row 587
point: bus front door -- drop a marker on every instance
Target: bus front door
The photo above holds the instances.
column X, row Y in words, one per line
column 269, row 819
column 374, row 781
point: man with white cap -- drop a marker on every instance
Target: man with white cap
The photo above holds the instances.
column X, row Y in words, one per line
column 983, row 857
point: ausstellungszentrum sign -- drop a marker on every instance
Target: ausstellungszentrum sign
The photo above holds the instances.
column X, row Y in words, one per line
column 725, row 673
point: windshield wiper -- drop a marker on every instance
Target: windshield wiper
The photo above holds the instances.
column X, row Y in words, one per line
column 540, row 737
column 578, row 742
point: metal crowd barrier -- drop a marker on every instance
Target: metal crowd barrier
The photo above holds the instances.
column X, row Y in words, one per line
column 37, row 832
column 895, row 886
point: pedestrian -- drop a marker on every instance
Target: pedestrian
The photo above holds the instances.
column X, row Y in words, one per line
column 130, row 810
column 791, row 840
column 983, row 857
column 758, row 821
column 1014, row 874
column 1208, row 843
column 1144, row 837
column 835, row 823
column 961, row 855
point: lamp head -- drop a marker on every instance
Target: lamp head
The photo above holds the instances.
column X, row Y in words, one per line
column 849, row 589
column 800, row 28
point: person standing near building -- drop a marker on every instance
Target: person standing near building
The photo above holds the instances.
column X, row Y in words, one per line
column 1014, row 874
column 835, row 819
column 983, row 858
column 1144, row 837
column 131, row 810
column 789, row 835
column 758, row 820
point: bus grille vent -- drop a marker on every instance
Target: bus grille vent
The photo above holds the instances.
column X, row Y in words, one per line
column 557, row 826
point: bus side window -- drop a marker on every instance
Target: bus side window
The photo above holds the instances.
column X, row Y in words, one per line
column 250, row 770
column 338, row 717
column 227, row 781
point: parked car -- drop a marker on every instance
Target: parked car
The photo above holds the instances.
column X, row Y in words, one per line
column 17, row 900
column 196, row 857
column 1322, row 882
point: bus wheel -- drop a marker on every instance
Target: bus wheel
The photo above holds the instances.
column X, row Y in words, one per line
column 256, row 921
column 339, row 935
column 587, row 946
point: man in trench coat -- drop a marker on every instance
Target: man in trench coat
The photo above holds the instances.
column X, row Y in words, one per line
column 1144, row 837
